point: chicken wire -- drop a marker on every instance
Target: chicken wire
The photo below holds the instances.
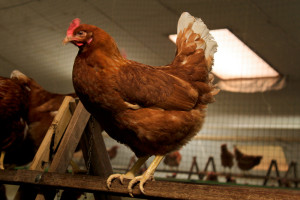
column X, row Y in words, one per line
column 267, row 120
column 261, row 123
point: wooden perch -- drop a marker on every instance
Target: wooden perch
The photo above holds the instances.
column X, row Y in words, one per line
column 43, row 156
column 57, row 129
column 273, row 163
column 195, row 164
column 153, row 189
column 204, row 173
column 71, row 122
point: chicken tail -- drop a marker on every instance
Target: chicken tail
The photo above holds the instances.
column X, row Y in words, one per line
column 192, row 31
column 257, row 160
column 195, row 55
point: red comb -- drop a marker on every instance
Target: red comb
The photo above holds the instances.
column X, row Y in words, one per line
column 74, row 24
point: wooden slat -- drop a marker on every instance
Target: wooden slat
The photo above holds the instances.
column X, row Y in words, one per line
column 62, row 124
column 153, row 189
column 68, row 144
column 57, row 127
column 42, row 154
column 94, row 149
column 70, row 140
column 100, row 163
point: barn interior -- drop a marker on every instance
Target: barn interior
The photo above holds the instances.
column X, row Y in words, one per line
column 258, row 115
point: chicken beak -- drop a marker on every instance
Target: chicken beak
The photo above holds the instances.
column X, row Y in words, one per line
column 66, row 40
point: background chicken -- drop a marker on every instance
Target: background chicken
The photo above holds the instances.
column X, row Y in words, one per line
column 153, row 110
column 43, row 106
column 211, row 176
column 112, row 151
column 230, row 179
column 246, row 162
column 226, row 157
column 173, row 160
column 13, row 113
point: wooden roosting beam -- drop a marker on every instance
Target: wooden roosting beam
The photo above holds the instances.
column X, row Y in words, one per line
column 153, row 189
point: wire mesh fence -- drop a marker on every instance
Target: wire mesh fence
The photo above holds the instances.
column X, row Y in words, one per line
column 263, row 124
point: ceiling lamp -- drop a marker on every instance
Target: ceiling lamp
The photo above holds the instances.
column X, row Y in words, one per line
column 234, row 60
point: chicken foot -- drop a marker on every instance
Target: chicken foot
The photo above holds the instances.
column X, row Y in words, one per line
column 2, row 159
column 147, row 175
column 130, row 174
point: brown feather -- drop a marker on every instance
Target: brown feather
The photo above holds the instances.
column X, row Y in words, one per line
column 138, row 84
column 13, row 113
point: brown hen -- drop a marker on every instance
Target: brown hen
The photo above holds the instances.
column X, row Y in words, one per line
column 153, row 110
column 13, row 114
column 173, row 159
column 112, row 152
column 226, row 157
column 43, row 106
column 246, row 162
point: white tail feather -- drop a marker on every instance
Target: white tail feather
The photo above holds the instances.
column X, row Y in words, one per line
column 210, row 46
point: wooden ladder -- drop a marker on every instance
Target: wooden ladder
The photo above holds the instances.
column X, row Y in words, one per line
column 72, row 125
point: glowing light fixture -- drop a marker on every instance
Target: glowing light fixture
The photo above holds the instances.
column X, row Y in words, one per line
column 235, row 60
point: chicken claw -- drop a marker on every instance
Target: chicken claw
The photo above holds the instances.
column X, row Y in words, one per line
column 147, row 175
column 129, row 175
column 142, row 179
column 115, row 176
column 111, row 178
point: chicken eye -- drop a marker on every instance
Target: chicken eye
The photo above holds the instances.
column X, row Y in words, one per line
column 80, row 33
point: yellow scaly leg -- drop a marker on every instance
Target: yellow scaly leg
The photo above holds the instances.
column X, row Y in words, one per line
column 130, row 174
column 147, row 175
column 75, row 167
column 2, row 159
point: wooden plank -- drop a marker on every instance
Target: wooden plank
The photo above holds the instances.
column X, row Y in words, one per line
column 92, row 141
column 42, row 155
column 69, row 142
column 62, row 124
column 153, row 189
column 94, row 151
column 95, row 154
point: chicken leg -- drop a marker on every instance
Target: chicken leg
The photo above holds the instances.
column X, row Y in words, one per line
column 2, row 159
column 147, row 175
column 130, row 174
